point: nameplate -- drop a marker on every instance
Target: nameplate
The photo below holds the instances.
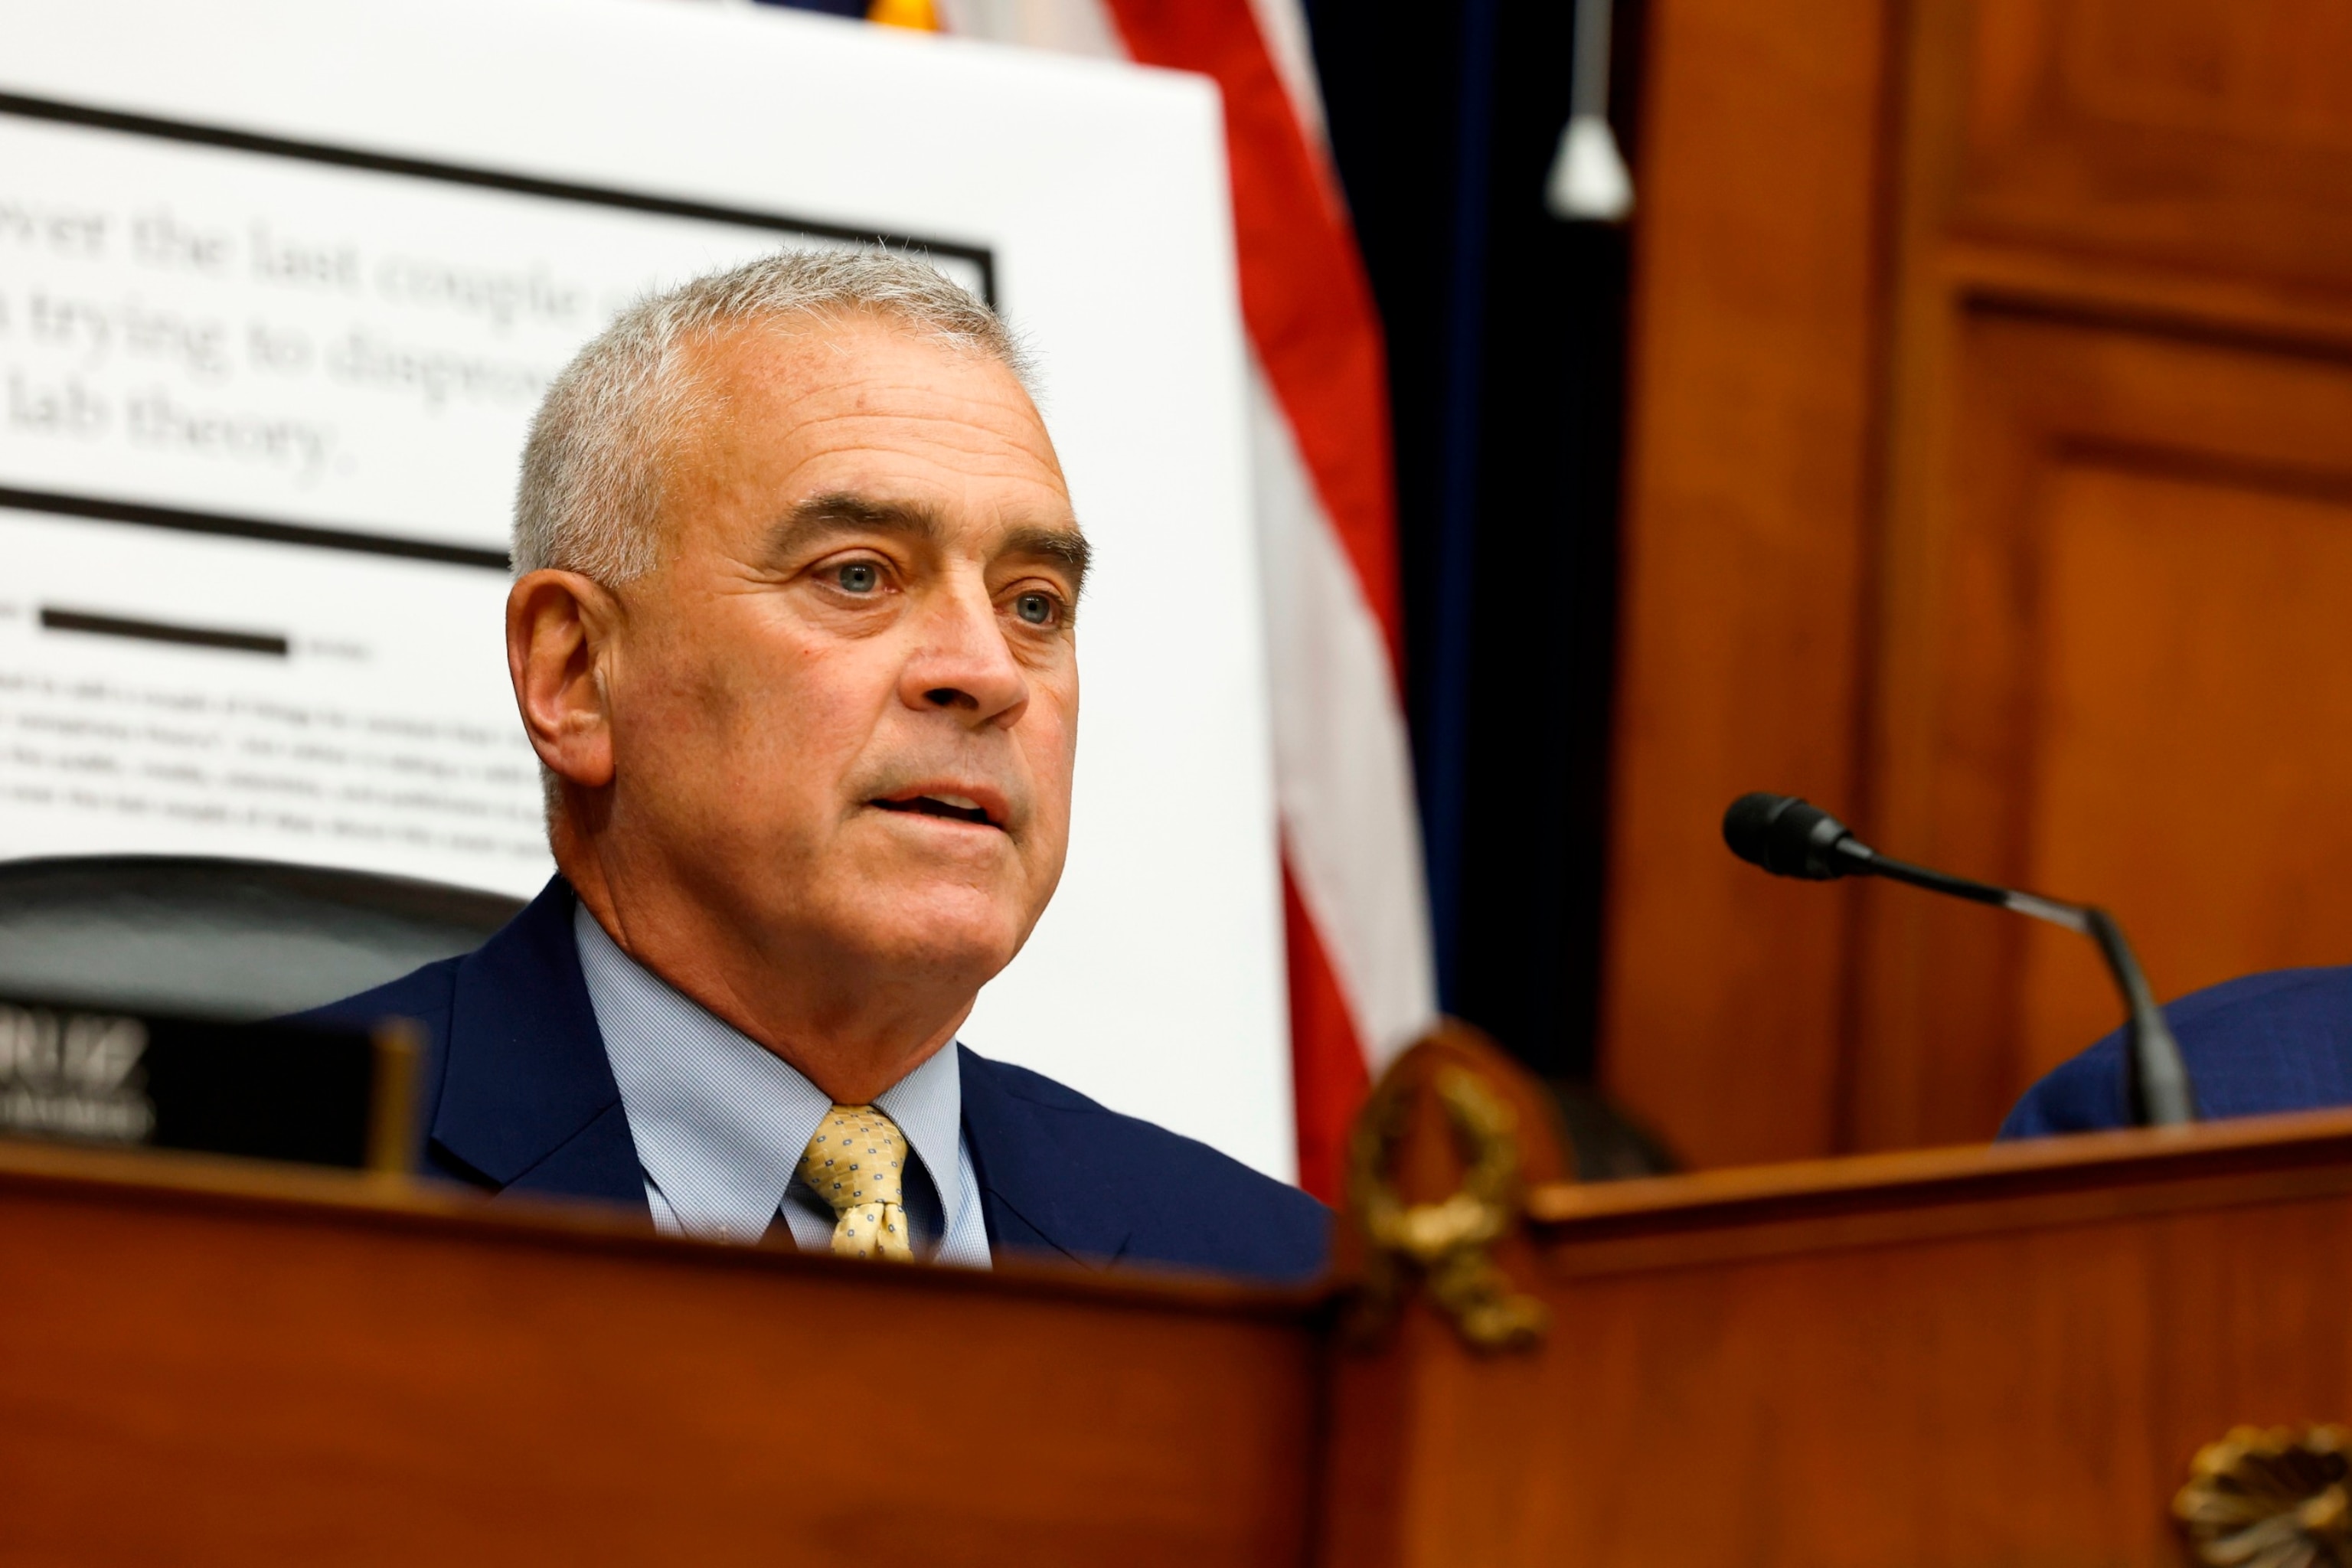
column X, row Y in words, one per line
column 261, row 1091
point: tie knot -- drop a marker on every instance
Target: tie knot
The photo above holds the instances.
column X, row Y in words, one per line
column 857, row 1156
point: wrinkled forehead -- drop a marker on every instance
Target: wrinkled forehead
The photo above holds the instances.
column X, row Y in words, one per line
column 854, row 401
column 819, row 363
column 806, row 385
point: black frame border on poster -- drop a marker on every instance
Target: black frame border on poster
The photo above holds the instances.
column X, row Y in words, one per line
column 26, row 107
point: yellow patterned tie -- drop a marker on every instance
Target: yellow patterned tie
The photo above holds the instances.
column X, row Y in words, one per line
column 857, row 1162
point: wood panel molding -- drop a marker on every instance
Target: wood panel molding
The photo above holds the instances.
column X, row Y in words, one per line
column 2090, row 364
column 2040, row 731
column 2216, row 137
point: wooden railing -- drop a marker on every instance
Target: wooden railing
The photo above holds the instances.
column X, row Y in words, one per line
column 1959, row 1356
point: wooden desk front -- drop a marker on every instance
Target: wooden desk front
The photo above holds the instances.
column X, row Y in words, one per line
column 200, row 1363
column 1954, row 1357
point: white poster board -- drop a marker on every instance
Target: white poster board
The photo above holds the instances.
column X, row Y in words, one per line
column 281, row 283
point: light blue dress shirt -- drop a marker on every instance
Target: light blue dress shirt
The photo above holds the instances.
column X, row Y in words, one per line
column 720, row 1121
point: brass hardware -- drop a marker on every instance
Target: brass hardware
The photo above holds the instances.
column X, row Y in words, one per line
column 1447, row 1241
column 2275, row 1498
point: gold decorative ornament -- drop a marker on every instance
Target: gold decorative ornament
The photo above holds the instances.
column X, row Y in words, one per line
column 2274, row 1498
column 1446, row 1242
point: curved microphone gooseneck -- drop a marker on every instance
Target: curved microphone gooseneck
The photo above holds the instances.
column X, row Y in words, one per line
column 1789, row 837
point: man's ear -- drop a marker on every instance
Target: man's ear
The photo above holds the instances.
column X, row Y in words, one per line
column 559, row 638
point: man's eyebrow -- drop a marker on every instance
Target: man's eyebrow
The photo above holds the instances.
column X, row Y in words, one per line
column 840, row 512
column 1064, row 547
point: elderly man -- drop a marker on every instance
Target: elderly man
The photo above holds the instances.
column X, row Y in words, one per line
column 795, row 634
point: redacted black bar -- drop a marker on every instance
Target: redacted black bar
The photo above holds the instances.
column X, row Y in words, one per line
column 184, row 522
column 57, row 620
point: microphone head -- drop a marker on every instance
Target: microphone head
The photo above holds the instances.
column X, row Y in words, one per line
column 1789, row 837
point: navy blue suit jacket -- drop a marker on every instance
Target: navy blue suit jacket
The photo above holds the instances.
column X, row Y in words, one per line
column 2281, row 1041
column 517, row 1096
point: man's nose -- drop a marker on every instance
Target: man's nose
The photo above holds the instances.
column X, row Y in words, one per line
column 964, row 664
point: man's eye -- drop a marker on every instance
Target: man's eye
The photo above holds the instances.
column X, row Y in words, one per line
column 1037, row 609
column 858, row 577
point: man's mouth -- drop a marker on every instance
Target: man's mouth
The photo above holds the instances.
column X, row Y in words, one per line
column 959, row 808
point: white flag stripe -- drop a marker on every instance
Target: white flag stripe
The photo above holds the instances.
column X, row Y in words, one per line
column 1071, row 27
column 1342, row 759
column 1283, row 24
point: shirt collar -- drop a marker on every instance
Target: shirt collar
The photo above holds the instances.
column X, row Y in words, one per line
column 927, row 1106
column 719, row 1121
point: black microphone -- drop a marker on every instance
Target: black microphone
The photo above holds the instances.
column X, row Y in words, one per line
column 1789, row 837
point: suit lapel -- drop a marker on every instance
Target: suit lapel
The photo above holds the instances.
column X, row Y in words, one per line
column 528, row 1101
column 528, row 1098
column 1036, row 1195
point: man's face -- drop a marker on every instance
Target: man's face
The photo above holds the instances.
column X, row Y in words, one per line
column 845, row 708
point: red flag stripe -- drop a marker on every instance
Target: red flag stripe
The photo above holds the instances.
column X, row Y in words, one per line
column 1310, row 311
column 1304, row 293
column 1327, row 1075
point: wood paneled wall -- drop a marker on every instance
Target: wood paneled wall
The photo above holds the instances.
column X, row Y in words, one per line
column 1989, row 483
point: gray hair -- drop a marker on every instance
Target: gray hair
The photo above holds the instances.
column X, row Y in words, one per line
column 590, row 492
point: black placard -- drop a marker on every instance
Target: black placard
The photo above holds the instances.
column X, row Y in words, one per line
column 264, row 1091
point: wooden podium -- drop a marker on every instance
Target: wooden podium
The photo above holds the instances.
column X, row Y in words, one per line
column 1967, row 1356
